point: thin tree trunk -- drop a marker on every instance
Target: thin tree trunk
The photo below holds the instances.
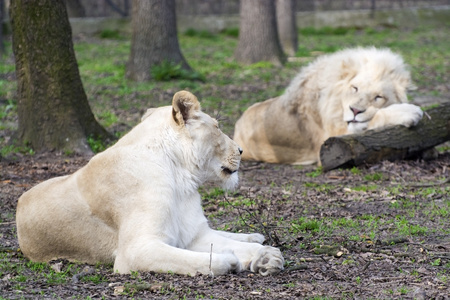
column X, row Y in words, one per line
column 373, row 8
column 258, row 36
column 287, row 27
column 52, row 107
column 117, row 9
column 75, row 9
column 154, row 38
column 2, row 15
column 391, row 143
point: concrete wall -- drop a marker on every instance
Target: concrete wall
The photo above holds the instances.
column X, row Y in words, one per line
column 409, row 17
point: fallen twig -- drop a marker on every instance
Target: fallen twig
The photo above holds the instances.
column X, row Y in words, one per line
column 430, row 184
column 366, row 265
column 86, row 271
column 390, row 279
column 210, row 262
column 7, row 249
column 296, row 268
column 394, row 241
column 8, row 223
column 395, row 174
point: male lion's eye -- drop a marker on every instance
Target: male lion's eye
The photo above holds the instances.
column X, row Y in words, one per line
column 378, row 97
column 355, row 89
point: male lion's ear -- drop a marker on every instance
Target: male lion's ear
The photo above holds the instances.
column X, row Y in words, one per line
column 184, row 104
column 348, row 69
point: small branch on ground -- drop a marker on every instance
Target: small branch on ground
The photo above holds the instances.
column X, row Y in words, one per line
column 86, row 271
column 210, row 262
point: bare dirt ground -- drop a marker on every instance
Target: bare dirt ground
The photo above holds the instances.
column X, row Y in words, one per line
column 384, row 266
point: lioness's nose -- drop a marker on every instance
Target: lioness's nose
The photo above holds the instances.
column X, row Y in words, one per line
column 240, row 150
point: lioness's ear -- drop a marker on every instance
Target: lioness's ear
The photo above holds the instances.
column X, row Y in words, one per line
column 184, row 104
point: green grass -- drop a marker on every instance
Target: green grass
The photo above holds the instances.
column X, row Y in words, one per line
column 374, row 177
column 107, row 118
column 318, row 171
column 355, row 171
column 304, row 225
column 205, row 34
column 169, row 70
column 110, row 34
column 11, row 149
column 22, row 271
column 96, row 144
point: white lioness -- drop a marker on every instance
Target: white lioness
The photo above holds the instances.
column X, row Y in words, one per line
column 137, row 205
column 346, row 92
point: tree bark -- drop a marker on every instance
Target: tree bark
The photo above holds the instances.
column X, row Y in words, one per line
column 52, row 107
column 154, row 38
column 258, row 36
column 390, row 143
column 287, row 27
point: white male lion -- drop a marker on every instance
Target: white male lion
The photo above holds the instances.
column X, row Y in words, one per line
column 137, row 205
column 346, row 92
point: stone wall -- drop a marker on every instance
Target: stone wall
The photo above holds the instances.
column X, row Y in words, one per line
column 410, row 17
column 103, row 8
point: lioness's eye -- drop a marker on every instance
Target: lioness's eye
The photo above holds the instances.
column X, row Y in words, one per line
column 378, row 97
column 355, row 89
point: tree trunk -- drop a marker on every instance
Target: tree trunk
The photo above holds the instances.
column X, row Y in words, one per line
column 52, row 107
column 258, row 36
column 154, row 38
column 391, row 143
column 287, row 28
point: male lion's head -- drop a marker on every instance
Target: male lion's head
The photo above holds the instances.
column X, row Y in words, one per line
column 372, row 79
column 206, row 150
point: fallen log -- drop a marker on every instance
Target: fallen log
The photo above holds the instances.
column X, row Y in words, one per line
column 388, row 143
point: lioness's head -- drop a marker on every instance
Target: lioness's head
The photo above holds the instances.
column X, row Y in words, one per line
column 210, row 153
column 371, row 84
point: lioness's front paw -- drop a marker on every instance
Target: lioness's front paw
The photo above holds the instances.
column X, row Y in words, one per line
column 224, row 263
column 267, row 261
column 404, row 114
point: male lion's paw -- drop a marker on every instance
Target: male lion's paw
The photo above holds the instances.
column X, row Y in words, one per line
column 224, row 263
column 404, row 114
column 256, row 238
column 357, row 127
column 267, row 261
